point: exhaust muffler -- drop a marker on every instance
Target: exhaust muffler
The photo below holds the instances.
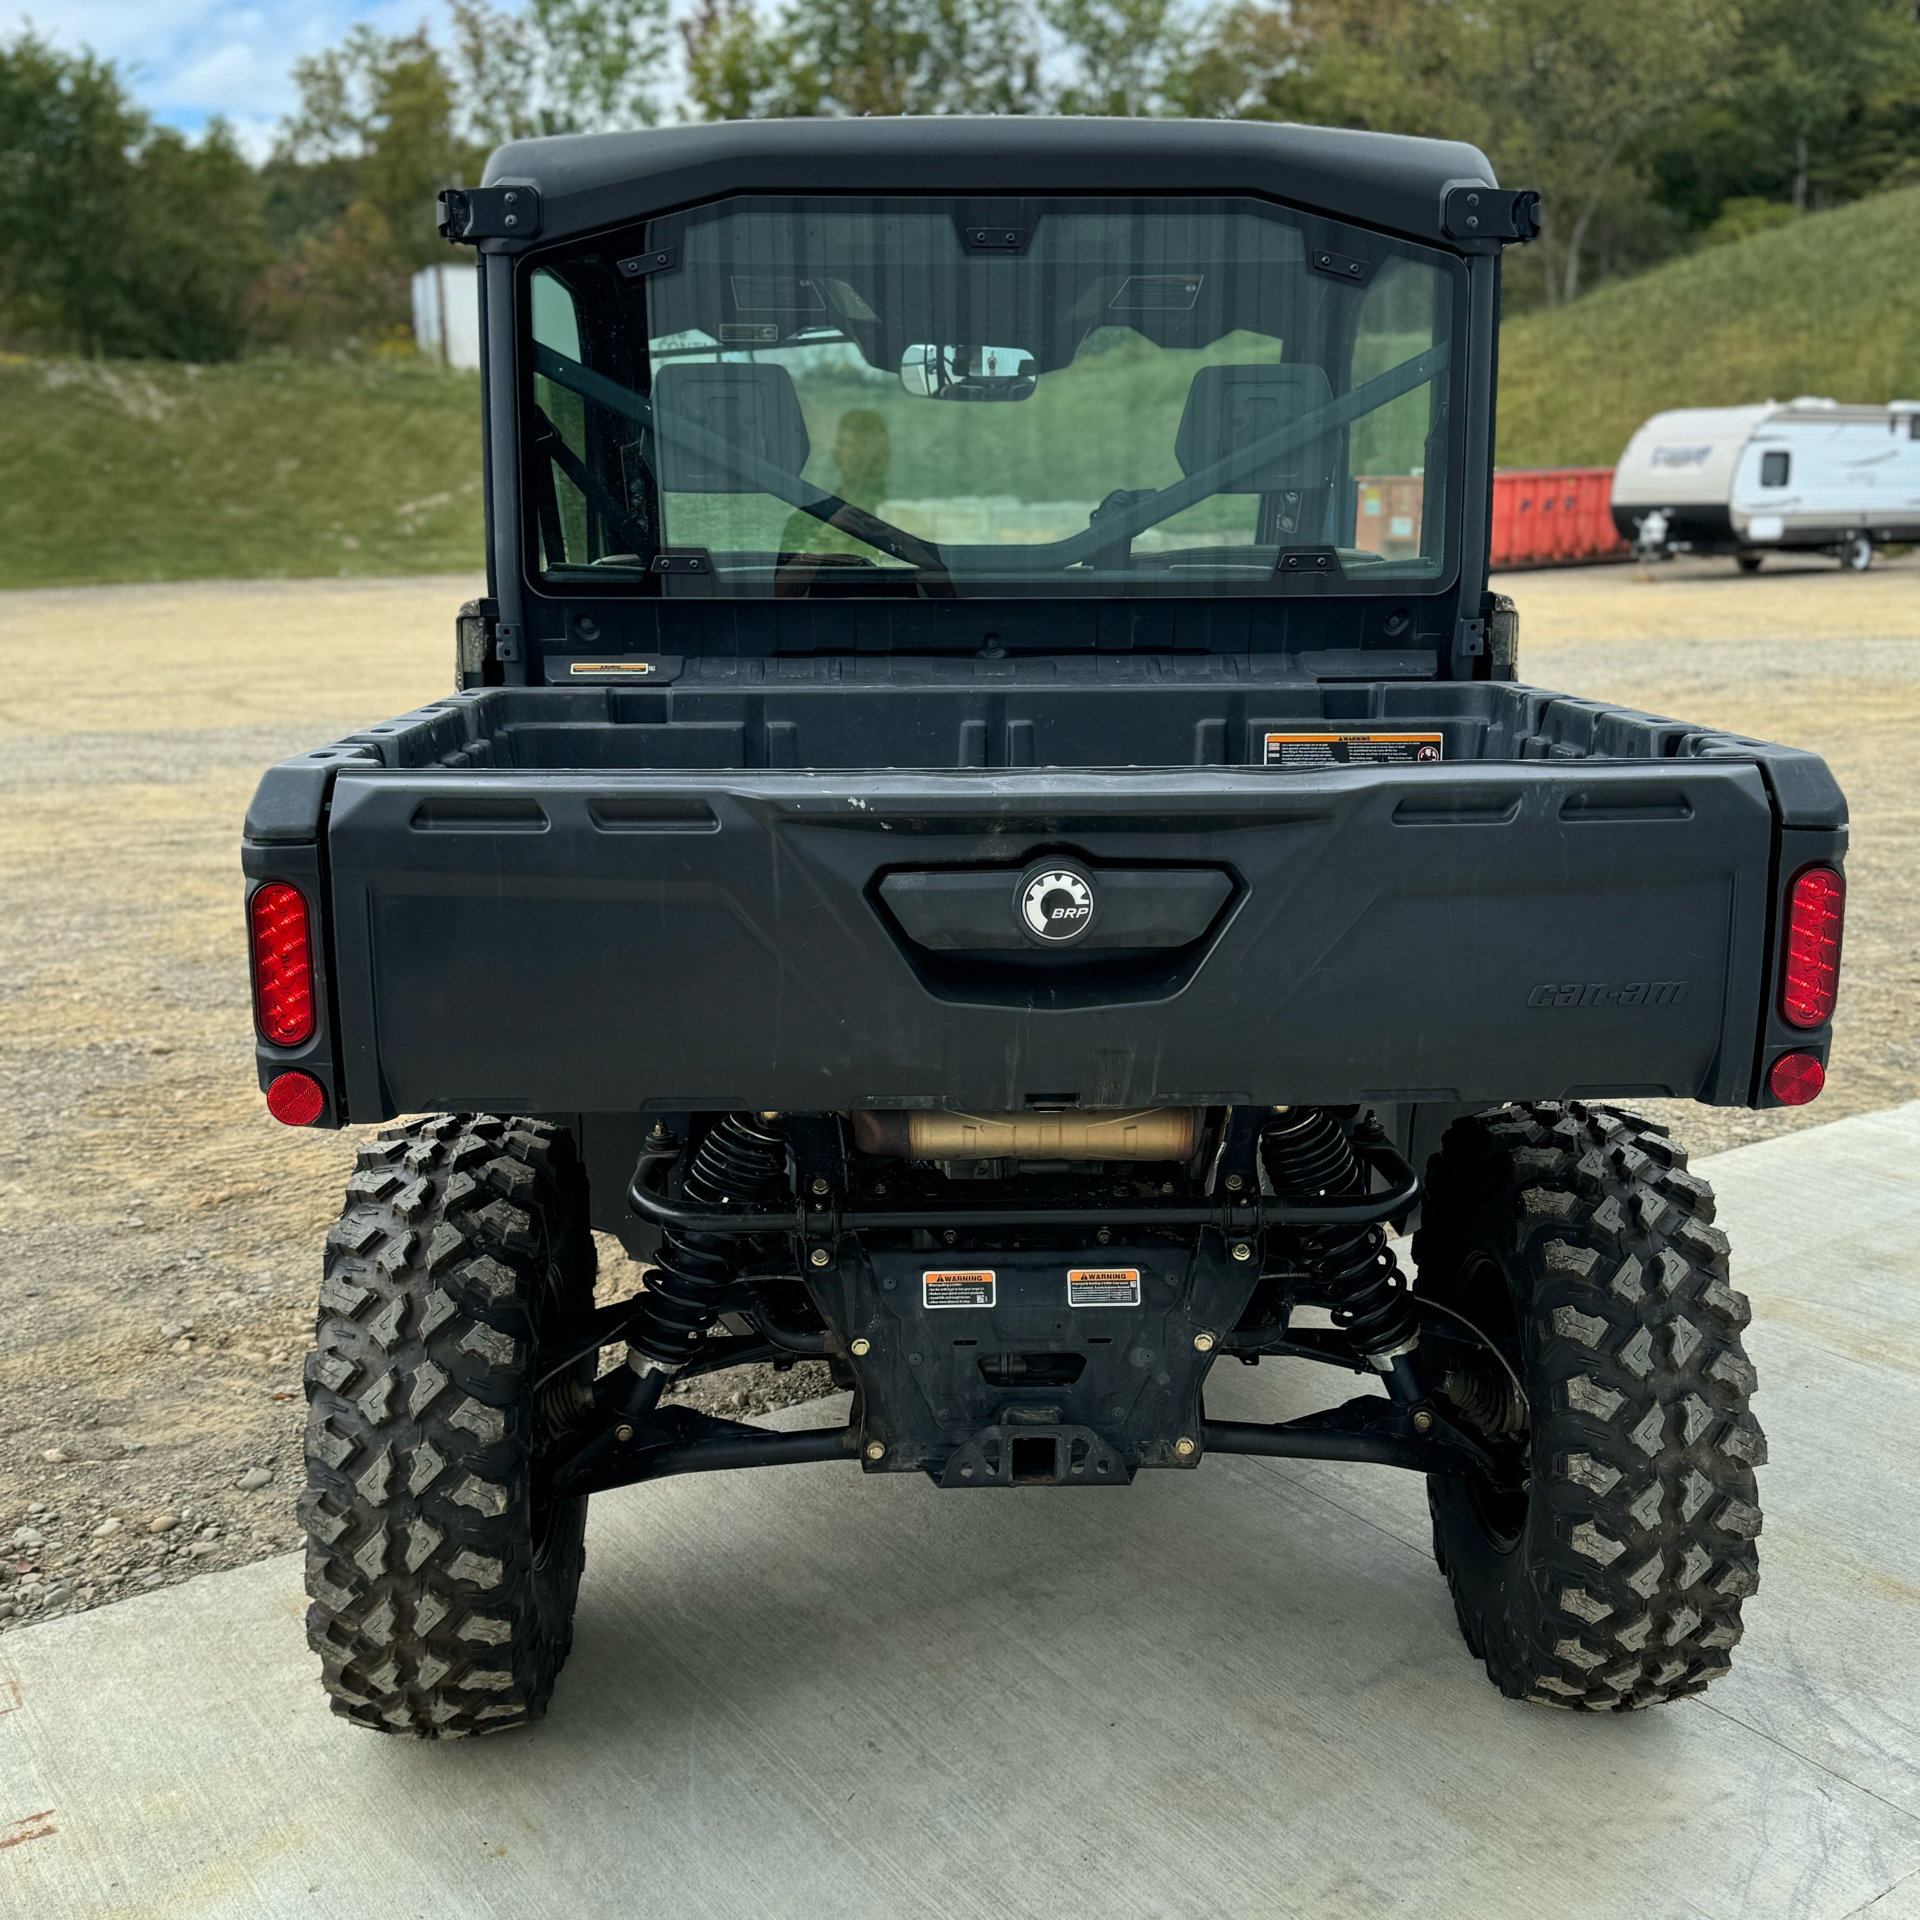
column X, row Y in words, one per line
column 1149, row 1133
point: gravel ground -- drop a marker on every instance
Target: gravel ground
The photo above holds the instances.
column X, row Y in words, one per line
column 159, row 1237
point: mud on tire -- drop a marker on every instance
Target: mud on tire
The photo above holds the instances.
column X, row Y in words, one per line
column 1576, row 1237
column 442, row 1596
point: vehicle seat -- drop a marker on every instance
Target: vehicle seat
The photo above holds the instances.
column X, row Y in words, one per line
column 1229, row 408
column 753, row 408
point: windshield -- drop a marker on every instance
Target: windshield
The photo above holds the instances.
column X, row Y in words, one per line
column 811, row 396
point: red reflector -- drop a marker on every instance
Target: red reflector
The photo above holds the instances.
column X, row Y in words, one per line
column 1810, row 972
column 1796, row 1078
column 296, row 1099
column 282, row 966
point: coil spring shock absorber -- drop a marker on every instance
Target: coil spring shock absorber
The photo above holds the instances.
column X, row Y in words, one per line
column 742, row 1159
column 1308, row 1157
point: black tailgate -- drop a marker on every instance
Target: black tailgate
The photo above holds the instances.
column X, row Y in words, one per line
column 600, row 942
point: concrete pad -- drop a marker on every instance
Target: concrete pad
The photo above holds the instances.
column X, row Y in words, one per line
column 1240, row 1692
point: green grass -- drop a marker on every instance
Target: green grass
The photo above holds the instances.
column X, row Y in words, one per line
column 1829, row 305
column 156, row 471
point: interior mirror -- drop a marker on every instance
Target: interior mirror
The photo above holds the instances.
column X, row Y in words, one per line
column 930, row 372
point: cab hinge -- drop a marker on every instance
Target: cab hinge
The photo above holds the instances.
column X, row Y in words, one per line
column 1500, row 214
column 467, row 215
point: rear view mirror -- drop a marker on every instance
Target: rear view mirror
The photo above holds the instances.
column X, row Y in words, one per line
column 931, row 372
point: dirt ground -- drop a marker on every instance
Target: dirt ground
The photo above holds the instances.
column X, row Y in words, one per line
column 159, row 1236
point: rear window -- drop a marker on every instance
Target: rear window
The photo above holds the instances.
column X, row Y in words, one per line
column 808, row 396
column 1774, row 468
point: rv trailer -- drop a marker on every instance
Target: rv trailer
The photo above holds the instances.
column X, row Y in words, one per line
column 1798, row 475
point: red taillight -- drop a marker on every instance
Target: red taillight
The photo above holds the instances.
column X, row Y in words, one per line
column 1796, row 1078
column 295, row 1099
column 1810, row 969
column 282, row 964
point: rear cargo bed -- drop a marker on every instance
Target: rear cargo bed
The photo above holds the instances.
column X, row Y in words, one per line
column 1152, row 712
column 604, row 900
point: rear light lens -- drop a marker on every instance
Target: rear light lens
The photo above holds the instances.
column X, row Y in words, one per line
column 1810, row 970
column 282, row 964
column 296, row 1099
column 1796, row 1078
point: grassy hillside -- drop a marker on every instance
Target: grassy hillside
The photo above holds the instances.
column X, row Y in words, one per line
column 155, row 471
column 1828, row 305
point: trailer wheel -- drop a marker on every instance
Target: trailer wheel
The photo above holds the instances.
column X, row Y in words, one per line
column 1748, row 562
column 443, row 1590
column 1856, row 552
column 1576, row 1238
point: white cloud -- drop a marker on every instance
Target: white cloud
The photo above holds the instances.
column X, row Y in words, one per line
column 188, row 60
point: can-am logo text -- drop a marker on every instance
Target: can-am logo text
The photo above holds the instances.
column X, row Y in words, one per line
column 1636, row 993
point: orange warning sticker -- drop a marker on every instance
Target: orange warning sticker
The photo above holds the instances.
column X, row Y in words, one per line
column 958, row 1289
column 1103, row 1286
column 1352, row 749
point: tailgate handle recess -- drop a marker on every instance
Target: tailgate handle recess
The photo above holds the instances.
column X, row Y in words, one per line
column 977, row 911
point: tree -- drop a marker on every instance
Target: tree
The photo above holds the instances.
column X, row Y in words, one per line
column 67, row 130
column 192, row 247
column 737, row 68
column 122, row 238
column 561, row 66
column 1390, row 65
column 384, row 104
column 1570, row 90
column 1123, row 53
column 1819, row 104
column 376, row 126
column 344, row 287
column 863, row 56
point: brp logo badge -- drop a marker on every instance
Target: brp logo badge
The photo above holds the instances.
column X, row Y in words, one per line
column 1055, row 903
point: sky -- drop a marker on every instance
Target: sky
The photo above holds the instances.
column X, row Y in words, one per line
column 187, row 60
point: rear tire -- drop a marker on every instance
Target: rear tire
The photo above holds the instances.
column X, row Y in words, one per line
column 1856, row 552
column 1575, row 1237
column 443, row 1591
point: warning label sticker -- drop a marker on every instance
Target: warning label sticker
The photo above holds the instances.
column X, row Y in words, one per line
column 958, row 1289
column 1103, row 1286
column 1351, row 749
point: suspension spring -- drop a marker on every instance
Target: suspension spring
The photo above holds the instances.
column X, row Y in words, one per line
column 744, row 1160
column 1308, row 1157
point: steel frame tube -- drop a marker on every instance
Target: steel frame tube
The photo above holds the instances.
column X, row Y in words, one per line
column 1235, row 1221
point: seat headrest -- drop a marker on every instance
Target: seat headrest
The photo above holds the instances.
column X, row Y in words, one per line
column 1230, row 409
column 753, row 408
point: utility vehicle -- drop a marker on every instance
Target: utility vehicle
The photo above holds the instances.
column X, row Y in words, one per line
column 950, row 847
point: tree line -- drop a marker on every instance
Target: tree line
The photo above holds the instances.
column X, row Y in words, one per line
column 1651, row 126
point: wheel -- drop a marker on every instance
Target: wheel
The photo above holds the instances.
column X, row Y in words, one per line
column 1748, row 562
column 443, row 1589
column 1574, row 1237
column 1856, row 552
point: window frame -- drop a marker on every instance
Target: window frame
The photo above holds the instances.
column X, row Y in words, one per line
column 661, row 233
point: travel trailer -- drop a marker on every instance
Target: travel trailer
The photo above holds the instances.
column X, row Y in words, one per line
column 1799, row 475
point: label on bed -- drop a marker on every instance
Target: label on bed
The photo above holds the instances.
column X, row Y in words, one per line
column 622, row 667
column 1352, row 749
column 1103, row 1286
column 958, row 1289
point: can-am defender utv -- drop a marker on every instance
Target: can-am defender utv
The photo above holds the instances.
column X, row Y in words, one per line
column 990, row 834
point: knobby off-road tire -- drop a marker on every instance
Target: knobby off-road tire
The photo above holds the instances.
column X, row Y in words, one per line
column 442, row 1595
column 1577, row 1239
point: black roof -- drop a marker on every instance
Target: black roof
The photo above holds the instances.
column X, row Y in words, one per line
column 590, row 181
